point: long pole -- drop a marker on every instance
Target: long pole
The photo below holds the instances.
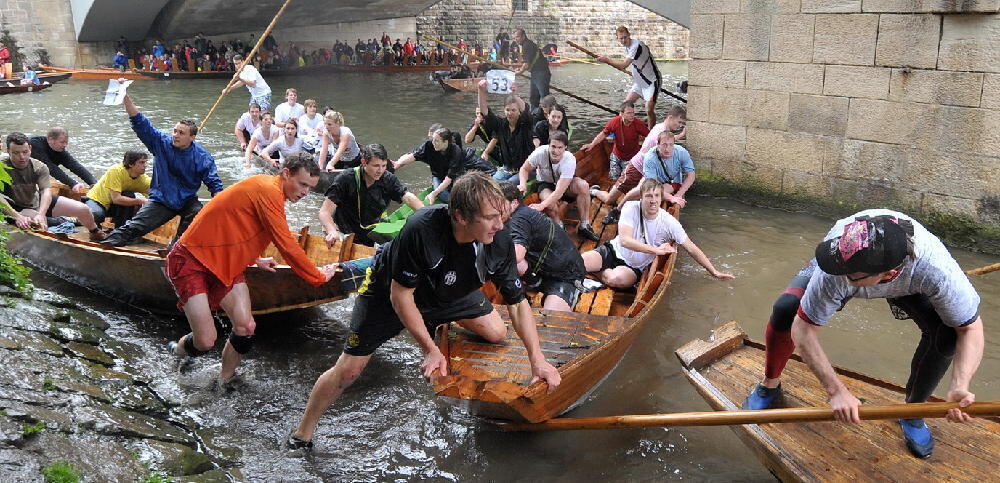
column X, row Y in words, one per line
column 723, row 418
column 984, row 270
column 594, row 55
column 253, row 52
column 480, row 59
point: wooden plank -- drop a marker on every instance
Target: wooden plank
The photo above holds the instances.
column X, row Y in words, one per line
column 722, row 341
column 602, row 301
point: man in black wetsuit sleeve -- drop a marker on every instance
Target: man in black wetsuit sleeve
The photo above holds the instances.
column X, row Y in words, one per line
column 51, row 150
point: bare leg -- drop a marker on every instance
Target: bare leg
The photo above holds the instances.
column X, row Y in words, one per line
column 68, row 207
column 489, row 326
column 555, row 302
column 328, row 388
column 618, row 277
column 580, row 189
column 199, row 317
column 651, row 112
column 237, row 306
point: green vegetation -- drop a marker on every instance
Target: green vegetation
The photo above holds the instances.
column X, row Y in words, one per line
column 60, row 472
column 157, row 477
column 30, row 429
column 48, row 385
column 12, row 272
column 3, row 413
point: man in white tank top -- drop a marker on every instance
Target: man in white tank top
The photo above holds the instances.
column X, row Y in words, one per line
column 646, row 79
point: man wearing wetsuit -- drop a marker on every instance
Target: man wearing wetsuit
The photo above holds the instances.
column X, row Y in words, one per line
column 546, row 257
column 880, row 254
column 431, row 275
column 51, row 150
column 357, row 198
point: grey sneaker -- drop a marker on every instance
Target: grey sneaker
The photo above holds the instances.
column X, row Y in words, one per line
column 295, row 443
column 181, row 363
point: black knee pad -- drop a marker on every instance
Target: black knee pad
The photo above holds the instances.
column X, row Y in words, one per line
column 241, row 343
column 783, row 312
column 190, row 348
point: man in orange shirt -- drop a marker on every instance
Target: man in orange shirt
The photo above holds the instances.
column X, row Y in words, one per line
column 206, row 265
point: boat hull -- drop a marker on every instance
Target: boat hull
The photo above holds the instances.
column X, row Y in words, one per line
column 12, row 87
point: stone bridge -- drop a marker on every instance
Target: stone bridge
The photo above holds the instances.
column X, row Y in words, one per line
column 105, row 20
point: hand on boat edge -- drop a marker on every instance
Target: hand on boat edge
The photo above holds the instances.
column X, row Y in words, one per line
column 964, row 399
column 434, row 361
column 267, row 264
column 548, row 372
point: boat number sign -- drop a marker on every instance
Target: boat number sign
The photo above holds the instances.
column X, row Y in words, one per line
column 499, row 81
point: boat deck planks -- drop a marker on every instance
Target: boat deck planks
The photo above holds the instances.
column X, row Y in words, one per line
column 825, row 451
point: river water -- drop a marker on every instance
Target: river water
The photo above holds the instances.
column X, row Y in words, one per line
column 389, row 425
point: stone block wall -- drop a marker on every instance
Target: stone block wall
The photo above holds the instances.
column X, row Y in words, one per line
column 874, row 102
column 42, row 24
column 590, row 23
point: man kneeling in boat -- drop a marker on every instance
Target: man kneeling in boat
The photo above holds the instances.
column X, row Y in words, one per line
column 431, row 275
column 546, row 257
column 181, row 166
column 645, row 231
column 880, row 254
column 357, row 198
column 206, row 265
column 114, row 195
column 31, row 199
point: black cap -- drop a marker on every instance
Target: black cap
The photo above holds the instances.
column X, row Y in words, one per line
column 871, row 245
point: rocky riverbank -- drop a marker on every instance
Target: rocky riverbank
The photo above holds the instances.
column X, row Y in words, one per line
column 73, row 401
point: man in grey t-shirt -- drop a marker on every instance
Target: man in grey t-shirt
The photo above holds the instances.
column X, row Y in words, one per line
column 880, row 254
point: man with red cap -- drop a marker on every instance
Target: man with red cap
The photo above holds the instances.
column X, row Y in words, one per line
column 880, row 254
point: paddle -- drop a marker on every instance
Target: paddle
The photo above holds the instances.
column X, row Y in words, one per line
column 766, row 416
column 984, row 270
column 253, row 52
column 594, row 55
column 480, row 59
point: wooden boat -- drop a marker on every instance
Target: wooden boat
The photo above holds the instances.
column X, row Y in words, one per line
column 95, row 73
column 725, row 367
column 492, row 380
column 459, row 85
column 50, row 77
column 14, row 87
column 134, row 274
column 185, row 75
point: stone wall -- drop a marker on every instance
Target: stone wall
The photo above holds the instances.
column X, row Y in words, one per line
column 873, row 102
column 590, row 23
column 41, row 24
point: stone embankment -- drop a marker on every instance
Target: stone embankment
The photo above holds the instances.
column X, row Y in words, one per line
column 71, row 393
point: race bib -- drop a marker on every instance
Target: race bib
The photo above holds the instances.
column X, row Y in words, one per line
column 499, row 81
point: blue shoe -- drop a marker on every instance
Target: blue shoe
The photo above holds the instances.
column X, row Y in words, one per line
column 918, row 437
column 761, row 397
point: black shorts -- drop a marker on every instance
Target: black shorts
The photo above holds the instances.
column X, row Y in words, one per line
column 373, row 320
column 55, row 198
column 567, row 291
column 542, row 185
column 610, row 260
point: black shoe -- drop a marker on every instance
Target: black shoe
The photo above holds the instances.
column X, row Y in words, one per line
column 587, row 232
column 296, row 443
column 612, row 218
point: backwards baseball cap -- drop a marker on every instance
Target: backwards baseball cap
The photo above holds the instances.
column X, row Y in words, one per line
column 867, row 245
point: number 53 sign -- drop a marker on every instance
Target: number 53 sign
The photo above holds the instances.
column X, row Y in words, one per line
column 499, row 81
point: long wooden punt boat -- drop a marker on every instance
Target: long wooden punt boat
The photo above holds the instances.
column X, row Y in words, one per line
column 492, row 380
column 726, row 366
column 50, row 77
column 185, row 75
column 134, row 274
column 15, row 87
column 95, row 73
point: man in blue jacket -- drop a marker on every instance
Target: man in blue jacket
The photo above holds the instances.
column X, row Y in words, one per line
column 181, row 166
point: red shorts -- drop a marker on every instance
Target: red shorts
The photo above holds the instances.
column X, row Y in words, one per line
column 189, row 278
column 629, row 179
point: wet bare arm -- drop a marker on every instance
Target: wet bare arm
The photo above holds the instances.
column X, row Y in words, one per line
column 844, row 404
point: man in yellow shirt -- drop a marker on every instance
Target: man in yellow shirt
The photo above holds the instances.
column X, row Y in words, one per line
column 114, row 194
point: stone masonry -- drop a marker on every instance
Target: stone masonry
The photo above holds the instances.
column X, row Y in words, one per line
column 590, row 23
column 875, row 102
column 41, row 24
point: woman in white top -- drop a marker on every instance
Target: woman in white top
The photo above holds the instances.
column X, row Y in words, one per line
column 310, row 126
column 348, row 154
column 246, row 125
column 290, row 144
column 264, row 135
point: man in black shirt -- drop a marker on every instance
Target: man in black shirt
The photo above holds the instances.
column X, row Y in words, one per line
column 513, row 132
column 431, row 275
column 51, row 150
column 357, row 198
column 532, row 60
column 546, row 257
